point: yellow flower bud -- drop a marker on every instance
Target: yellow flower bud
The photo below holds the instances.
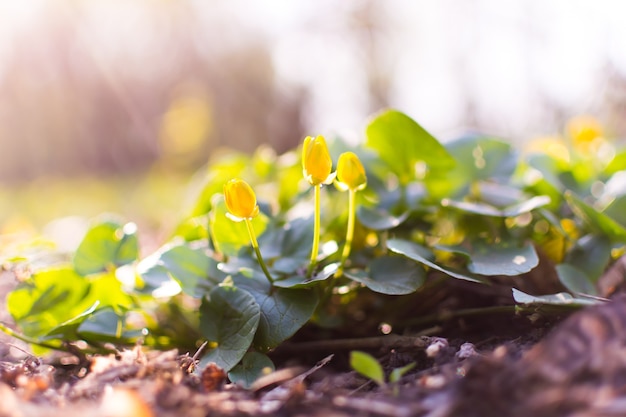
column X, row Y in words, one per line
column 350, row 172
column 240, row 200
column 316, row 162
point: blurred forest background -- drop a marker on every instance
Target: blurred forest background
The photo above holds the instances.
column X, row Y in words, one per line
column 112, row 105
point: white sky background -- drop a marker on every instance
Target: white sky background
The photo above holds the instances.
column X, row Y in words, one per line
column 503, row 58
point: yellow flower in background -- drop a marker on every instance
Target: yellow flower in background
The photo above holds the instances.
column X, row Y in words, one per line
column 584, row 129
column 316, row 162
column 350, row 172
column 240, row 200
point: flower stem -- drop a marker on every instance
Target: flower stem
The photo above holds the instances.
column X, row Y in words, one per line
column 255, row 245
column 350, row 230
column 316, row 230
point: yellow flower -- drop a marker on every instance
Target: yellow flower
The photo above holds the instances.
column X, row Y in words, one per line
column 316, row 162
column 584, row 129
column 240, row 200
column 350, row 172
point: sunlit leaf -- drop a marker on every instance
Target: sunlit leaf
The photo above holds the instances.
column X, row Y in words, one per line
column 422, row 255
column 390, row 275
column 47, row 300
column 368, row 366
column 502, row 258
column 106, row 245
column 229, row 317
column 401, row 143
column 596, row 221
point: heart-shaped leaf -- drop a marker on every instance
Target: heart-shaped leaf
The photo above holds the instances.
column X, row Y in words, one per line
column 390, row 275
column 229, row 317
column 106, row 245
column 575, row 280
column 252, row 366
column 283, row 310
column 502, row 258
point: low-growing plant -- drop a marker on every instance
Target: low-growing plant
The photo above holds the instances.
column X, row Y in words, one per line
column 471, row 209
column 367, row 365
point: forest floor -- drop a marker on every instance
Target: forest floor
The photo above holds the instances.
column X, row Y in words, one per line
column 484, row 365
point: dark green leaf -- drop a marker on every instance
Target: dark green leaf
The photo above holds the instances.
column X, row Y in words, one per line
column 229, row 317
column 283, row 310
column 106, row 245
column 422, row 255
column 390, row 275
column 252, row 366
column 575, row 280
column 377, row 219
column 301, row 281
column 591, row 254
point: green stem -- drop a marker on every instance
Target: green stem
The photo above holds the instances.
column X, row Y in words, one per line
column 30, row 340
column 349, row 232
column 255, row 245
column 316, row 230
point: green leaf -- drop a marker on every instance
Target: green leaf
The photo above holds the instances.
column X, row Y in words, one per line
column 368, row 366
column 252, row 366
column 422, row 255
column 105, row 325
column 229, row 317
column 227, row 235
column 575, row 280
column 47, row 300
column 502, row 258
column 596, row 221
column 377, row 219
column 478, row 158
column 398, row 373
column 401, row 143
column 390, row 275
column 69, row 329
column 283, row 310
column 560, row 299
column 188, row 264
column 591, row 254
column 301, row 281
column 106, row 245
column 484, row 209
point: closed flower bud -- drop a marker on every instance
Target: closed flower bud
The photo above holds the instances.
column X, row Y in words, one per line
column 350, row 172
column 316, row 161
column 240, row 200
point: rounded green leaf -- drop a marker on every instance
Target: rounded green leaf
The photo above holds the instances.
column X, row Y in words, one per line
column 229, row 317
column 252, row 366
column 559, row 299
column 390, row 275
column 283, row 310
column 106, row 245
column 401, row 142
column 502, row 258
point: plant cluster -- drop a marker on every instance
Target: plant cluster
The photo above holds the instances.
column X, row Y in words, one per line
column 471, row 209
